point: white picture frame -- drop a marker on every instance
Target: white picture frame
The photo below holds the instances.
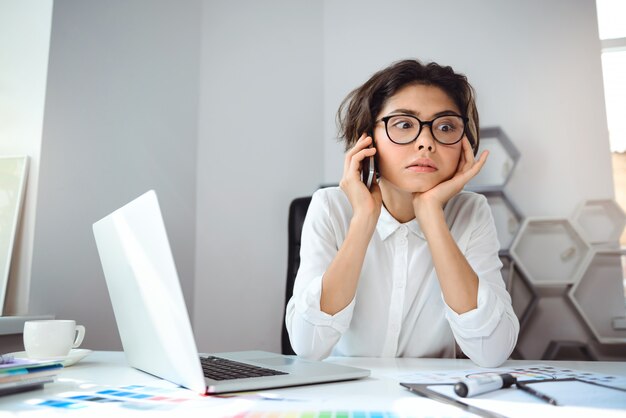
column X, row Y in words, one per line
column 13, row 173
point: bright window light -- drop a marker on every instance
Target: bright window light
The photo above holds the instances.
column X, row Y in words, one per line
column 614, row 73
column 611, row 18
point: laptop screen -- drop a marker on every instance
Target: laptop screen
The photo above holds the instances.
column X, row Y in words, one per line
column 145, row 293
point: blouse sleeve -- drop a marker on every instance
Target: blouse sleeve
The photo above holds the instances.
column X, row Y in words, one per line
column 314, row 333
column 487, row 334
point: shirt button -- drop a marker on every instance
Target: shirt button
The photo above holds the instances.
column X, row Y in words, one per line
column 403, row 229
column 402, row 241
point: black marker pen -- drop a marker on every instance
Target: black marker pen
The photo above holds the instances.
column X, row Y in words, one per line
column 482, row 384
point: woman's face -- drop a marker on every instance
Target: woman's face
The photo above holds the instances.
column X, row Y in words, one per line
column 420, row 165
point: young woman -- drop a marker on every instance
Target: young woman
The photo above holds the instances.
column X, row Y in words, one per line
column 409, row 267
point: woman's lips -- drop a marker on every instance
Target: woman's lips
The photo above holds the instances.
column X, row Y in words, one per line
column 421, row 168
column 422, row 165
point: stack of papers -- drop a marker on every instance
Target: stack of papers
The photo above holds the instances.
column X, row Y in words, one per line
column 596, row 394
column 24, row 374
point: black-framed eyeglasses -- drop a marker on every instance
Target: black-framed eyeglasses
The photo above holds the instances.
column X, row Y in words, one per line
column 403, row 129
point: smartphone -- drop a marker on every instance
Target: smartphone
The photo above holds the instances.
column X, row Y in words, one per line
column 368, row 171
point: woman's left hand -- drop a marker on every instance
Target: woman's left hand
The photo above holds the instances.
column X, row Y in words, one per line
column 437, row 197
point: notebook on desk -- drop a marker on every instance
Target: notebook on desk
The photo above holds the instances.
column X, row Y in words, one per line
column 153, row 322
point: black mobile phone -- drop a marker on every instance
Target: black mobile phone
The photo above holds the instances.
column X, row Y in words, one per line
column 368, row 171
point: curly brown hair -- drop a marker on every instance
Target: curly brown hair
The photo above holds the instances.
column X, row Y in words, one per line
column 357, row 113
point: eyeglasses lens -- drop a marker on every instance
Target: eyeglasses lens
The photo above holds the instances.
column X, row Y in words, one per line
column 446, row 129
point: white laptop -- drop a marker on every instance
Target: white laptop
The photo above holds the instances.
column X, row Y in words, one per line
column 152, row 318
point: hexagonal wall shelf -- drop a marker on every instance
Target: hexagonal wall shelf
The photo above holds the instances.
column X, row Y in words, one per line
column 554, row 318
column 503, row 157
column 600, row 221
column 506, row 217
column 523, row 294
column 599, row 296
column 569, row 350
column 550, row 251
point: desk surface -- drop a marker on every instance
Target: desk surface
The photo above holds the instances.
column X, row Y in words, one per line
column 380, row 392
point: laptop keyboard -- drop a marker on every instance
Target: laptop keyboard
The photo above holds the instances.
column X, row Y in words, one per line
column 218, row 368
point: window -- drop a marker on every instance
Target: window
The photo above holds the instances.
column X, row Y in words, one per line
column 612, row 30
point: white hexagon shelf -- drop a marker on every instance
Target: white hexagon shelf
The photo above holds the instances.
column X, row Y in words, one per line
column 554, row 318
column 600, row 221
column 599, row 296
column 524, row 298
column 550, row 251
column 506, row 217
column 569, row 350
column 523, row 295
column 503, row 157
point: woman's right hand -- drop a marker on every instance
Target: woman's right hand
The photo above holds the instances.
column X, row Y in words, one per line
column 341, row 278
column 366, row 203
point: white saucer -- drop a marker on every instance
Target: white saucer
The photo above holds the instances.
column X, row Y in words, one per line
column 75, row 355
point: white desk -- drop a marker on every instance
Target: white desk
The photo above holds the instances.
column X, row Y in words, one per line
column 379, row 392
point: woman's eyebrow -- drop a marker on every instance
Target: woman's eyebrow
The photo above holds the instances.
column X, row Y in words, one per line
column 446, row 112
column 403, row 111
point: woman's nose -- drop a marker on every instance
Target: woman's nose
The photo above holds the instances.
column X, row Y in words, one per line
column 425, row 140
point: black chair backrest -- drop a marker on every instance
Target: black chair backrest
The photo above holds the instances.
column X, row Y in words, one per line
column 297, row 213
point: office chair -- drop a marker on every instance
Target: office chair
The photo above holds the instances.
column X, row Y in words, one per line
column 297, row 213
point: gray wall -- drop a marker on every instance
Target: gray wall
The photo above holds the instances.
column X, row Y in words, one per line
column 259, row 146
column 120, row 118
column 227, row 108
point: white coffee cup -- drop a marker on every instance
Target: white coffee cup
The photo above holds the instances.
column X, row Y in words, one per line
column 51, row 338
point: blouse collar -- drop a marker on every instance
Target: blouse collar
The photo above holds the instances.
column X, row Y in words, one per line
column 387, row 225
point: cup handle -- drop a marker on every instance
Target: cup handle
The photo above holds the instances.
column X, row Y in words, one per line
column 80, row 334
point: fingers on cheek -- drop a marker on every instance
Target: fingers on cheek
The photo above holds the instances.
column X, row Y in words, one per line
column 468, row 164
column 463, row 159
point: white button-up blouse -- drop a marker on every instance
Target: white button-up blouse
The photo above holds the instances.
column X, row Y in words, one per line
column 398, row 309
